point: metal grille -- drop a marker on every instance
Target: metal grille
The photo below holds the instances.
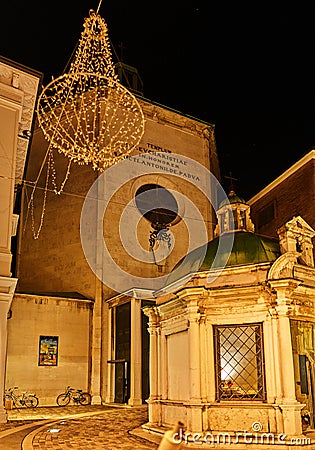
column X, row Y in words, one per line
column 239, row 362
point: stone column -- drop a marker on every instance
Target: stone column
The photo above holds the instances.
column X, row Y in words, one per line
column 7, row 288
column 271, row 352
column 97, row 310
column 291, row 408
column 286, row 358
column 204, row 358
column 154, row 331
column 210, row 362
column 135, row 354
column 286, row 396
column 96, row 346
column 110, row 369
column 11, row 106
column 163, row 369
column 194, row 412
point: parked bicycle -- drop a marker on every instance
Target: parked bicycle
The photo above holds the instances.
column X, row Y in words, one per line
column 76, row 395
column 18, row 400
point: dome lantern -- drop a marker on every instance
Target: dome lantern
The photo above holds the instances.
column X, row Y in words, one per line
column 233, row 215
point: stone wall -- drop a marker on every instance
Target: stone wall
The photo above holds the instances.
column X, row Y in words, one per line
column 55, row 262
column 33, row 316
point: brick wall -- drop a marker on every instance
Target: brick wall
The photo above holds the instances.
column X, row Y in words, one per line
column 293, row 196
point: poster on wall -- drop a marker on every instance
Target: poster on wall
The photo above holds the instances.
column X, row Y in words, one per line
column 48, row 351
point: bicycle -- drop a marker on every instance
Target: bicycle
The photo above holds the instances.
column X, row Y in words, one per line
column 77, row 395
column 24, row 399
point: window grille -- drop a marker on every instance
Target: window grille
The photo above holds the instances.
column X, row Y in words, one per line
column 239, row 362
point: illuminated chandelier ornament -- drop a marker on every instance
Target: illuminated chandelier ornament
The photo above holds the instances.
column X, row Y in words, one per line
column 86, row 113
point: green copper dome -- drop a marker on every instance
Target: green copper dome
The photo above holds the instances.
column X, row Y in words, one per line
column 232, row 198
column 247, row 248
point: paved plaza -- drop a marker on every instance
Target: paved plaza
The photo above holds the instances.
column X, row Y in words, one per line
column 94, row 427
column 76, row 427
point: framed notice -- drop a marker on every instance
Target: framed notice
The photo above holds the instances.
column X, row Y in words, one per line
column 48, row 351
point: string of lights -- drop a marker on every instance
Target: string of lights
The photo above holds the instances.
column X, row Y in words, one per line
column 86, row 114
column 36, row 233
column 46, row 190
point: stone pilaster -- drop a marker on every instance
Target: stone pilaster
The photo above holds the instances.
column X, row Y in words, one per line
column 194, row 411
column 285, row 385
column 135, row 354
column 210, row 359
column 110, row 387
column 96, row 347
column 154, row 331
column 7, row 288
column 98, row 304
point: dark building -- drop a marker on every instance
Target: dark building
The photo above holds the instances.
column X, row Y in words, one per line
column 291, row 194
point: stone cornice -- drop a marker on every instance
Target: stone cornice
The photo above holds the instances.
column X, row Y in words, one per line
column 284, row 289
column 176, row 307
column 305, row 273
column 125, row 297
column 15, row 82
column 168, row 116
column 307, row 158
column 7, row 285
column 283, row 266
column 7, row 288
column 52, row 298
column 228, row 294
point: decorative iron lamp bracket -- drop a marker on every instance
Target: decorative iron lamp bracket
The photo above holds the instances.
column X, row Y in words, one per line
column 161, row 233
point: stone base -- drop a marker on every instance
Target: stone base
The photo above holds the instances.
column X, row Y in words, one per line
column 3, row 415
column 96, row 400
column 135, row 401
column 264, row 441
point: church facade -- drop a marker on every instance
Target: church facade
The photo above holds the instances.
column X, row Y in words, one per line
column 91, row 311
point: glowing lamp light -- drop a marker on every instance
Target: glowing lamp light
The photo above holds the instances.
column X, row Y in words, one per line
column 227, row 372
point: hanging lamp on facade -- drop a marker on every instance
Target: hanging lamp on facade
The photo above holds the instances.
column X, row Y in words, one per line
column 86, row 114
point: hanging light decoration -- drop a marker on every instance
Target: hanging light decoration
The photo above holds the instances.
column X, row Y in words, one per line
column 86, row 113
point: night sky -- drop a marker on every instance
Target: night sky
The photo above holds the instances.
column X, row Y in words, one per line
column 246, row 67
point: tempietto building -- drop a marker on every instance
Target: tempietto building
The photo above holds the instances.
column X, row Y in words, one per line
column 233, row 348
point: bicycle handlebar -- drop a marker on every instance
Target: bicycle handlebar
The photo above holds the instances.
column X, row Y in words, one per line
column 69, row 389
column 11, row 389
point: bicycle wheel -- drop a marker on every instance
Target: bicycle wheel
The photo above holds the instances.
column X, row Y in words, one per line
column 31, row 401
column 85, row 398
column 19, row 402
column 63, row 399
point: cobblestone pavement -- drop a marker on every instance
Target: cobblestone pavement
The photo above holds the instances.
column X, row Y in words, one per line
column 94, row 427
column 78, row 427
